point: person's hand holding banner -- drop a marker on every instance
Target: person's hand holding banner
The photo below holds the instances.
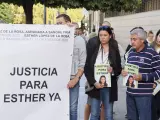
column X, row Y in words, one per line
column 110, row 69
column 98, row 85
column 154, row 86
column 124, row 73
column 72, row 82
column 129, row 72
column 137, row 77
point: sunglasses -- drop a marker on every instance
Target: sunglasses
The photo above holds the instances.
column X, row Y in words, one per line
column 103, row 27
column 137, row 28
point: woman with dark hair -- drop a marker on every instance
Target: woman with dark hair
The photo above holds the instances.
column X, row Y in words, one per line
column 130, row 81
column 156, row 101
column 103, row 81
column 156, row 43
column 106, row 52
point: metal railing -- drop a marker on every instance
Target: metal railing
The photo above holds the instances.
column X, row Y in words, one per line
column 147, row 5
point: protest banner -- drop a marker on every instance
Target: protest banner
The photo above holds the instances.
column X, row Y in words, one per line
column 102, row 75
column 35, row 67
column 129, row 80
column 157, row 88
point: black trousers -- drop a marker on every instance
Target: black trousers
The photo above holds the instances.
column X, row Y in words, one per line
column 156, row 107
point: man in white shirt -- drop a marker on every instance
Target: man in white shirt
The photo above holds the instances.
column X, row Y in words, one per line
column 78, row 62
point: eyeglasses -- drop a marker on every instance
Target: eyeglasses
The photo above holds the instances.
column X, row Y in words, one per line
column 137, row 28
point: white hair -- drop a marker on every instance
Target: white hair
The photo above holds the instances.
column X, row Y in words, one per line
column 140, row 33
column 106, row 23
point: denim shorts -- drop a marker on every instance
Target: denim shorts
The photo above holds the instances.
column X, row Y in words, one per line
column 89, row 100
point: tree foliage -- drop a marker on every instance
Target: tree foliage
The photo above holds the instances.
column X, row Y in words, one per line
column 6, row 13
column 18, row 12
column 18, row 15
column 75, row 14
column 103, row 5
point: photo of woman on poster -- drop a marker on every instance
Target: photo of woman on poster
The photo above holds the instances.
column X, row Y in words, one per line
column 130, row 82
column 102, row 81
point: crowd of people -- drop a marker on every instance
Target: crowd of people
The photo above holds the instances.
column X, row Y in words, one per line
column 102, row 48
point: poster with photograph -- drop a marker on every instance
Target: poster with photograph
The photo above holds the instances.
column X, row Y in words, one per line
column 129, row 80
column 102, row 75
column 157, row 88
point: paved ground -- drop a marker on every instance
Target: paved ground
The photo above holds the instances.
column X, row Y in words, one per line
column 119, row 106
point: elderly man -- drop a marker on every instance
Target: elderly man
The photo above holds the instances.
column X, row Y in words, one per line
column 139, row 100
column 78, row 62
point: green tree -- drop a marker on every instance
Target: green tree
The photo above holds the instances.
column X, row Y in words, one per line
column 38, row 14
column 6, row 13
column 19, row 17
column 103, row 5
column 75, row 14
column 18, row 12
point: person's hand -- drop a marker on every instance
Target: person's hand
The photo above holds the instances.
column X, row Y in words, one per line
column 138, row 77
column 124, row 73
column 72, row 82
column 154, row 86
column 98, row 85
column 110, row 69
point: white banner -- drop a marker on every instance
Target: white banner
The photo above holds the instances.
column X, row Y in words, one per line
column 35, row 66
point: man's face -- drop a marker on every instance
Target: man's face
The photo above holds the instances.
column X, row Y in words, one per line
column 76, row 31
column 80, row 32
column 136, row 42
column 61, row 21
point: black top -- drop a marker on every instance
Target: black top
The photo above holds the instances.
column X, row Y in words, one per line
column 115, row 60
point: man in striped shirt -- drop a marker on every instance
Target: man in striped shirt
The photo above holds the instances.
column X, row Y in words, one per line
column 139, row 100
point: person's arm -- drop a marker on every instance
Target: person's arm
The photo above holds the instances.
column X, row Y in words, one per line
column 81, row 62
column 82, row 58
column 121, row 50
column 156, row 68
column 89, row 73
column 87, row 70
column 127, row 52
column 128, row 48
column 118, row 61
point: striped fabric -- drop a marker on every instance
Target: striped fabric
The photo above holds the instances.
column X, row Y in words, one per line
column 148, row 61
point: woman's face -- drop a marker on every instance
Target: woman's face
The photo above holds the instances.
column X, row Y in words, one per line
column 104, row 37
column 158, row 39
column 103, row 79
column 150, row 36
column 131, row 80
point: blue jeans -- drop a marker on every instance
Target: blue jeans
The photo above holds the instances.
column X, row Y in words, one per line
column 108, row 106
column 139, row 108
column 74, row 94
